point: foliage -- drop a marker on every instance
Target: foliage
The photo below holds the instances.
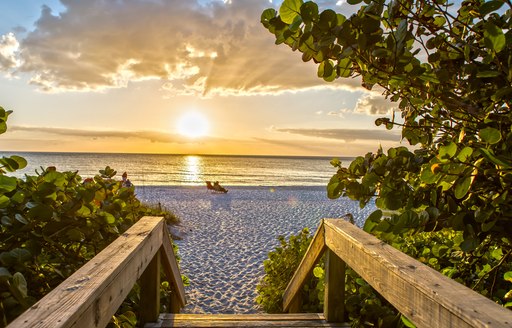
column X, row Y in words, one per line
column 52, row 223
column 279, row 270
column 448, row 69
column 363, row 305
column 455, row 104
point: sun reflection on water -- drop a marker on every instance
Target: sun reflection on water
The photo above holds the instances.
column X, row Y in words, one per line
column 193, row 169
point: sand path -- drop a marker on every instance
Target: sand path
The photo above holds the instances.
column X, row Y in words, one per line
column 227, row 236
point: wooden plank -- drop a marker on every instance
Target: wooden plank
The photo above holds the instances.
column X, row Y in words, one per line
column 243, row 320
column 422, row 294
column 334, row 299
column 313, row 254
column 245, row 317
column 90, row 296
column 150, row 291
column 172, row 271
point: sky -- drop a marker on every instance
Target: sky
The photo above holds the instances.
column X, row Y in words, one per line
column 173, row 76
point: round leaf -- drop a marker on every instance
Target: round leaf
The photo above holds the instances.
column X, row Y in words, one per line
column 289, row 10
column 490, row 135
column 494, row 37
column 462, row 187
column 448, row 151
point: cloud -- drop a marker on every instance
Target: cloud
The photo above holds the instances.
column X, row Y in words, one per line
column 375, row 104
column 152, row 136
column 9, row 47
column 192, row 47
column 347, row 135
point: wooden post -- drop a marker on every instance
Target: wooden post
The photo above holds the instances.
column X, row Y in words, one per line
column 334, row 299
column 296, row 303
column 150, row 291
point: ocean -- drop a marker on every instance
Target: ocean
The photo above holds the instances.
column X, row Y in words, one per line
column 224, row 238
column 190, row 170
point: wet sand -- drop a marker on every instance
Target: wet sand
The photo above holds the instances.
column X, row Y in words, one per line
column 226, row 237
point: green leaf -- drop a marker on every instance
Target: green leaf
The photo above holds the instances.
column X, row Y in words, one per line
column 462, row 186
column 489, row 154
column 508, row 276
column 407, row 322
column 20, row 218
column 345, row 67
column 4, row 274
column 490, row 135
column 6, row 221
column 22, row 163
column 109, row 218
column 494, row 37
column 75, row 235
column 3, row 127
column 497, row 254
column 41, row 211
column 289, row 10
column 318, row 272
column 7, row 184
column 465, row 154
column 4, row 201
column 20, row 255
column 372, row 221
column 19, row 282
column 469, row 244
column 490, row 6
column 448, row 151
column 266, row 16
column 335, row 188
column 486, row 226
column 309, row 12
column 335, row 162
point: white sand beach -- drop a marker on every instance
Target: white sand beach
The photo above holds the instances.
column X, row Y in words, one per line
column 226, row 237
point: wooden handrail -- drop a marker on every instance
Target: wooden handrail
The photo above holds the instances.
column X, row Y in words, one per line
column 91, row 295
column 423, row 295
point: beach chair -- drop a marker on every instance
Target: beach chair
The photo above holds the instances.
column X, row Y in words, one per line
column 215, row 187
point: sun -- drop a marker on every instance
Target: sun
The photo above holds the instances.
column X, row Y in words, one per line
column 193, row 125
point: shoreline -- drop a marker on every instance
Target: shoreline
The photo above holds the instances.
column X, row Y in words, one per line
column 226, row 237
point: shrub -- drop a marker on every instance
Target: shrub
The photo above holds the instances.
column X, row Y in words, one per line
column 52, row 223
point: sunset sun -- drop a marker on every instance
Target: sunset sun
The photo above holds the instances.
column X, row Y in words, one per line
column 193, row 125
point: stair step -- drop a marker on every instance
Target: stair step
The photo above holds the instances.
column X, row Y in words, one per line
column 243, row 320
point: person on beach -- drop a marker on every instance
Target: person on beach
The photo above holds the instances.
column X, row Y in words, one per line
column 126, row 182
column 216, row 187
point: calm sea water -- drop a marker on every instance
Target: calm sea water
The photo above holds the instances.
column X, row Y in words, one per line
column 190, row 170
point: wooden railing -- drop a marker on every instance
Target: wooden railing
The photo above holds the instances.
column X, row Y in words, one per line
column 90, row 296
column 423, row 295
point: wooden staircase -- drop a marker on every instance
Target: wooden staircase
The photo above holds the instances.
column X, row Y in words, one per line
column 243, row 320
column 90, row 296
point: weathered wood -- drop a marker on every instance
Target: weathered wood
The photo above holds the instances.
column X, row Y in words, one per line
column 313, row 254
column 422, row 294
column 150, row 291
column 90, row 296
column 296, row 304
column 172, row 271
column 243, row 320
column 334, row 299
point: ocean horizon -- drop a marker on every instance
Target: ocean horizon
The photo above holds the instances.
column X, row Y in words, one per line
column 190, row 170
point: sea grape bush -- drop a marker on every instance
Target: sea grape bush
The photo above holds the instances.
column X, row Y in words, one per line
column 484, row 270
column 448, row 69
column 279, row 270
column 51, row 223
column 363, row 305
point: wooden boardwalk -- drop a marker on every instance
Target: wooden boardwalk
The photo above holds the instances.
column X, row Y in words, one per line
column 243, row 320
column 90, row 296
